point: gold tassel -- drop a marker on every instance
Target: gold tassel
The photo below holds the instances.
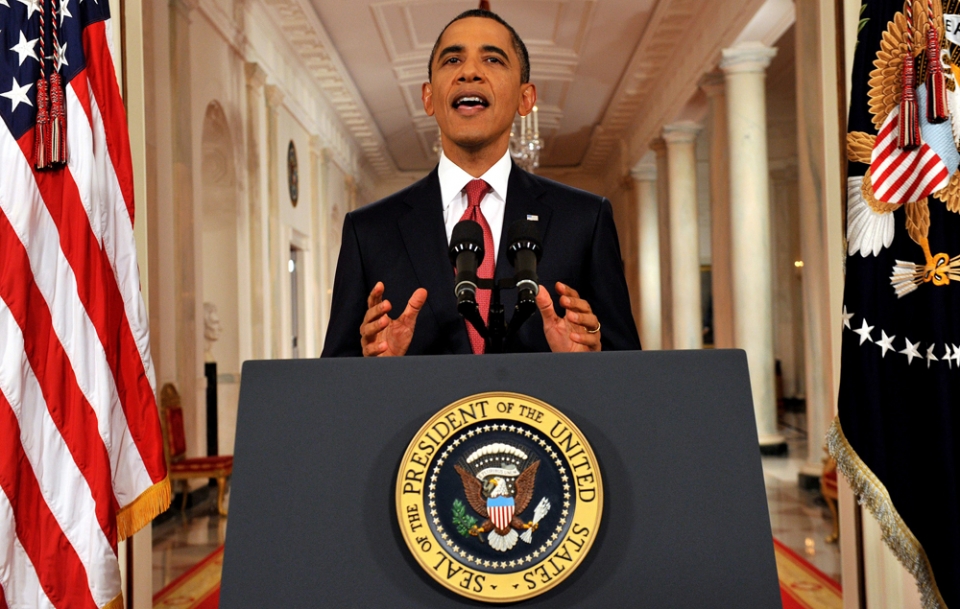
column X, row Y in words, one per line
column 151, row 502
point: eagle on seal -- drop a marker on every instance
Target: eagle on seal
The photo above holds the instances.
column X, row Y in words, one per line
column 493, row 498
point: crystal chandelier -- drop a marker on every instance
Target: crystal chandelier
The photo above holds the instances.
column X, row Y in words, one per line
column 525, row 142
column 525, row 148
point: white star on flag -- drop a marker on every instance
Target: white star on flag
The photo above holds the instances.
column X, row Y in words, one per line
column 947, row 356
column 25, row 48
column 930, row 356
column 956, row 355
column 33, row 6
column 64, row 10
column 864, row 332
column 885, row 343
column 911, row 351
column 18, row 95
column 60, row 57
column 846, row 318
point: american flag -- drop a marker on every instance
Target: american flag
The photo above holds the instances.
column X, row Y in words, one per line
column 81, row 457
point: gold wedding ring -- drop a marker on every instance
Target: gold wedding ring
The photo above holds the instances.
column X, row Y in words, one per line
column 596, row 330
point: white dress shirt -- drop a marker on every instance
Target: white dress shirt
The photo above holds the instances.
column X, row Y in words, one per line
column 452, row 182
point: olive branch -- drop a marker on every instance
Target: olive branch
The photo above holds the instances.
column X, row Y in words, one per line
column 463, row 521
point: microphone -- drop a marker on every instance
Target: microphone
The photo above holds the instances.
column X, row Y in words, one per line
column 466, row 253
column 524, row 252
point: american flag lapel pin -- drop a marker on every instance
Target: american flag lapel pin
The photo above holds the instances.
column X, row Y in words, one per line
column 532, row 217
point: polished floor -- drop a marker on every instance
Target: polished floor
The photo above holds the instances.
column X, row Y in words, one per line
column 798, row 518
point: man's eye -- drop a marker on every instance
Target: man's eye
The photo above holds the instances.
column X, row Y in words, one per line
column 452, row 60
column 495, row 59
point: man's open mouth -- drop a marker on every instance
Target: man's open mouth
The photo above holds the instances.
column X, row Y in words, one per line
column 470, row 101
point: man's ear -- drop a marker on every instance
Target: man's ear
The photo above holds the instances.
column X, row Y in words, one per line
column 426, row 94
column 528, row 98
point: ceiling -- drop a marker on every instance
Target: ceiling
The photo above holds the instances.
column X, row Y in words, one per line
column 579, row 50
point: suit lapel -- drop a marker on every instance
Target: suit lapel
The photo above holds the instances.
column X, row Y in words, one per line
column 425, row 238
column 524, row 198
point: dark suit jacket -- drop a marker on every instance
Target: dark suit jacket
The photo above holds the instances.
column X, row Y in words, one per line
column 401, row 241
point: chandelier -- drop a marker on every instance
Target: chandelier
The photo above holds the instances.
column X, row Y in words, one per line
column 525, row 142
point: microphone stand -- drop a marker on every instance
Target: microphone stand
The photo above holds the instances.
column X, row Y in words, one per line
column 496, row 331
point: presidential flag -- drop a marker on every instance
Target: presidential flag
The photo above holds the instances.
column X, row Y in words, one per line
column 897, row 435
column 81, row 458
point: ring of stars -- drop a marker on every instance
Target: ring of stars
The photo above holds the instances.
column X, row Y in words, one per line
column 911, row 350
column 451, row 543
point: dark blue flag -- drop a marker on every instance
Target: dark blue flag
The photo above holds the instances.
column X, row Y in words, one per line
column 897, row 433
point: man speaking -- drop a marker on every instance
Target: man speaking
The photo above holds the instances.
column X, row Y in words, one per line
column 395, row 250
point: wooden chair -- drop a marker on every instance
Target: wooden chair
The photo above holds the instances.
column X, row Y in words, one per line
column 828, row 487
column 179, row 467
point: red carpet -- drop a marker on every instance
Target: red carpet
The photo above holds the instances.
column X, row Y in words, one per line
column 803, row 586
column 198, row 588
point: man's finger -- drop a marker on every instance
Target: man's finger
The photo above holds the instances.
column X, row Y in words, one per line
column 370, row 330
column 586, row 320
column 416, row 302
column 377, row 311
column 590, row 341
column 374, row 349
column 565, row 290
column 575, row 304
column 375, row 296
column 545, row 304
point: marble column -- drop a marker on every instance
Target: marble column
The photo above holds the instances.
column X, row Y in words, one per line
column 720, row 269
column 744, row 66
column 319, row 229
column 659, row 148
column 685, row 311
column 276, row 259
column 187, row 227
column 648, row 254
column 256, row 194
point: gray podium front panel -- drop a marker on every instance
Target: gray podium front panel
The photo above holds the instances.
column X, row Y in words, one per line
column 319, row 443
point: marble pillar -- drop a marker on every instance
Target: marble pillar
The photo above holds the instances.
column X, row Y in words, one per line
column 276, row 259
column 684, row 242
column 648, row 254
column 744, row 66
column 318, row 228
column 659, row 148
column 256, row 79
column 720, row 270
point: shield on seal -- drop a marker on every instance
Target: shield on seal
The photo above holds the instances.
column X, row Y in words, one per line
column 500, row 510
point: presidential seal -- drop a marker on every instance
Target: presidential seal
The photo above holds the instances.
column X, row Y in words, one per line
column 499, row 497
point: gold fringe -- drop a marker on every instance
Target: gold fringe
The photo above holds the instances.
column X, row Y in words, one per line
column 116, row 603
column 873, row 494
column 143, row 509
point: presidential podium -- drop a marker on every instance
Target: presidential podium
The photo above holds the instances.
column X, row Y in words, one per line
column 319, row 445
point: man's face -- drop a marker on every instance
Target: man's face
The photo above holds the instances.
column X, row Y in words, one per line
column 475, row 92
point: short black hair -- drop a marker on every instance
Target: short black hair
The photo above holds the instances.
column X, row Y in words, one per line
column 518, row 45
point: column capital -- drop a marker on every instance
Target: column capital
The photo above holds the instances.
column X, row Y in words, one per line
column 256, row 76
column 747, row 57
column 184, row 7
column 645, row 171
column 681, row 132
column 713, row 84
column 274, row 96
column 316, row 145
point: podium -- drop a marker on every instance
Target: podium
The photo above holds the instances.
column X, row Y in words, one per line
column 319, row 443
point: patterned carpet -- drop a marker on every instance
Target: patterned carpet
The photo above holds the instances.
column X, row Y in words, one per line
column 802, row 586
column 198, row 588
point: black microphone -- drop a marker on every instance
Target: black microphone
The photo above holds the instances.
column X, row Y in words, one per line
column 524, row 252
column 466, row 253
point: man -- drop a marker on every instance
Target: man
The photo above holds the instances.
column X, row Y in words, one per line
column 395, row 250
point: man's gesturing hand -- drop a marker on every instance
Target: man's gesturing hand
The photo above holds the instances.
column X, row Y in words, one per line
column 570, row 332
column 380, row 335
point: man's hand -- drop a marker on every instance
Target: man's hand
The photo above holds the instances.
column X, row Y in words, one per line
column 380, row 335
column 570, row 332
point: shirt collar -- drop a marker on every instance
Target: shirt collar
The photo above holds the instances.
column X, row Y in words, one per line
column 453, row 179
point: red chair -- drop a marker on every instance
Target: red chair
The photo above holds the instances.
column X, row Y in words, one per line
column 179, row 466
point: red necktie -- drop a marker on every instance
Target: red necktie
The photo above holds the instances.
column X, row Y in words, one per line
column 476, row 189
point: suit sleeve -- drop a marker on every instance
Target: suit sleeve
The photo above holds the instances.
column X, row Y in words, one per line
column 608, row 295
column 349, row 303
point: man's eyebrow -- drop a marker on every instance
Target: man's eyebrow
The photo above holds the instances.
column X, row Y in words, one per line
column 453, row 48
column 489, row 48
